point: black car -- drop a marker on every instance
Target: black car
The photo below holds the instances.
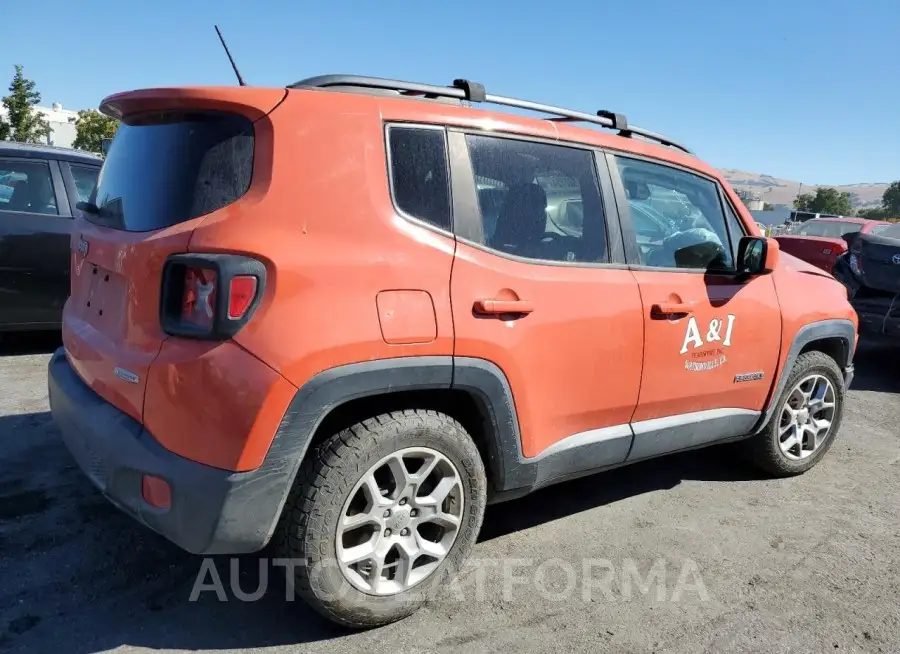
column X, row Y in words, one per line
column 39, row 188
column 870, row 269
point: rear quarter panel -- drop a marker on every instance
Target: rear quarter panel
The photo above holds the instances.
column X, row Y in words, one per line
column 326, row 228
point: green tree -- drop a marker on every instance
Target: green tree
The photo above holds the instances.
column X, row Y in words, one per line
column 873, row 213
column 891, row 199
column 23, row 123
column 768, row 206
column 804, row 202
column 90, row 127
column 826, row 200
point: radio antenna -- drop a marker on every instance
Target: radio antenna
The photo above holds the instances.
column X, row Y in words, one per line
column 230, row 58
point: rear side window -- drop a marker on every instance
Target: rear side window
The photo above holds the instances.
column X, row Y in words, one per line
column 85, row 178
column 169, row 167
column 419, row 179
column 538, row 201
column 26, row 185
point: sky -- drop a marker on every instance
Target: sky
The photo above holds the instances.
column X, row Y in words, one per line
column 801, row 89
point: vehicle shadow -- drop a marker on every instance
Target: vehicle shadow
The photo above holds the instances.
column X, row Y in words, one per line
column 80, row 576
column 877, row 364
column 22, row 343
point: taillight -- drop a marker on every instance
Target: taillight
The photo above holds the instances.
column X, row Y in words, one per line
column 210, row 296
column 198, row 301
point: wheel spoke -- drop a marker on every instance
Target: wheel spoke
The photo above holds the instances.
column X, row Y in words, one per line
column 359, row 553
column 435, row 550
column 437, row 496
column 783, row 429
column 426, row 469
column 401, row 477
column 376, row 497
column 445, row 519
column 351, row 522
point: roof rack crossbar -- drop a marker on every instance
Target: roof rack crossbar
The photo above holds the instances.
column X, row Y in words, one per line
column 474, row 92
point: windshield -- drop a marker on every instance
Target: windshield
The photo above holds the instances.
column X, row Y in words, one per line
column 878, row 229
column 891, row 231
column 172, row 167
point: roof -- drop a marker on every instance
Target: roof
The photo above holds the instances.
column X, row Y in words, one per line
column 474, row 93
column 842, row 219
column 39, row 151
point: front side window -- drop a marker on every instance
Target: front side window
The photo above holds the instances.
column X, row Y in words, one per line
column 538, row 201
column 27, row 186
column 678, row 217
column 419, row 177
column 85, row 178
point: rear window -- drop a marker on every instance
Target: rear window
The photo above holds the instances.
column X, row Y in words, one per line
column 827, row 228
column 166, row 168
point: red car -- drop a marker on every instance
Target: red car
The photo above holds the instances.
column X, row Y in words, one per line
column 820, row 241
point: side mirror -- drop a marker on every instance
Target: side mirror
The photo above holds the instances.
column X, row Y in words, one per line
column 757, row 255
column 104, row 145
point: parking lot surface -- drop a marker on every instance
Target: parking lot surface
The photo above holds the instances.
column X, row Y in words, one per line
column 690, row 553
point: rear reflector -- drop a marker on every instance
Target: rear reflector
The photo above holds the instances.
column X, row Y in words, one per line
column 241, row 295
column 156, row 492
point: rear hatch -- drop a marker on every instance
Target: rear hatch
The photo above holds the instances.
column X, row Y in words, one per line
column 875, row 258
column 178, row 156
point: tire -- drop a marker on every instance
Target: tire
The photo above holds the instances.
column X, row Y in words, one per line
column 332, row 478
column 764, row 449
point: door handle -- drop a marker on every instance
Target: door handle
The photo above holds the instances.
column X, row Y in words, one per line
column 665, row 309
column 495, row 307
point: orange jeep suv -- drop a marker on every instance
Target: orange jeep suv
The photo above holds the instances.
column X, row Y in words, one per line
column 339, row 318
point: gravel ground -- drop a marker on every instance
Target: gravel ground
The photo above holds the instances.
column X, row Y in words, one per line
column 745, row 564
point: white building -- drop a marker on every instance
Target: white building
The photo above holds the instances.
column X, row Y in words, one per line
column 62, row 124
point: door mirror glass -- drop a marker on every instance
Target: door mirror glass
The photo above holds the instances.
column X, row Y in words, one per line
column 756, row 255
column 104, row 145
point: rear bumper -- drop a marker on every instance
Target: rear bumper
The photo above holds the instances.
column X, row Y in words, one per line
column 212, row 511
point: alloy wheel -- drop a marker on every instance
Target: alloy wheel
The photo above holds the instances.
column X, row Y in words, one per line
column 400, row 521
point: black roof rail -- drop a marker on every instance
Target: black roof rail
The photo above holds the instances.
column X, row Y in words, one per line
column 469, row 91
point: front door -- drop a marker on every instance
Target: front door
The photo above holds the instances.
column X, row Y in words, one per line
column 537, row 291
column 35, row 226
column 711, row 340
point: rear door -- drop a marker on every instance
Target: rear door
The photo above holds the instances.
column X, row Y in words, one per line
column 163, row 173
column 711, row 340
column 538, row 290
column 35, row 223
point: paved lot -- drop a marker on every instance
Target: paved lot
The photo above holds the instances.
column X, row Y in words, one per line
column 807, row 564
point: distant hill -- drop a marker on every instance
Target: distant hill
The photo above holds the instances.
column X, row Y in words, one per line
column 784, row 191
